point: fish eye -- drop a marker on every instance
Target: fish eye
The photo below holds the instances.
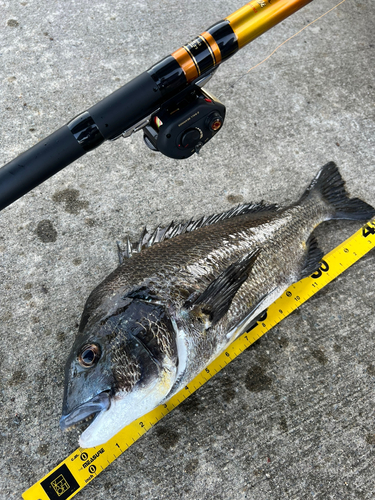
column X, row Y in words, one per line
column 89, row 355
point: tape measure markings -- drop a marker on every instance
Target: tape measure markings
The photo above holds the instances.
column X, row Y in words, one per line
column 83, row 465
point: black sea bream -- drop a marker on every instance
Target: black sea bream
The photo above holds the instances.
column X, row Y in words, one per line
column 182, row 295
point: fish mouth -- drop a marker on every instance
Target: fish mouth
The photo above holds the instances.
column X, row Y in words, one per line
column 86, row 411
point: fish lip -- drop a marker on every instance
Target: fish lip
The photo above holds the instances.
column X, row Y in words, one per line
column 88, row 409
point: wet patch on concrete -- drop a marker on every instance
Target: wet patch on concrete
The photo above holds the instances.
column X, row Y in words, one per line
column 228, row 390
column 296, row 312
column 235, row 198
column 43, row 449
column 6, row 317
column 167, row 438
column 283, row 342
column 191, row 466
column 61, row 336
column 138, row 455
column 46, row 232
column 18, row 377
column 255, row 345
column 256, row 380
column 190, row 405
column 283, row 424
column 70, row 197
column 15, row 421
column 319, row 355
column 12, row 23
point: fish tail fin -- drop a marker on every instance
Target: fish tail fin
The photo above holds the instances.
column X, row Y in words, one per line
column 330, row 187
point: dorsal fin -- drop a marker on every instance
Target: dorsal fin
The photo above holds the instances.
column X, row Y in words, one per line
column 149, row 238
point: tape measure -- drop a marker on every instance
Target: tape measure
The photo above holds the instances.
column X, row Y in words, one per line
column 82, row 466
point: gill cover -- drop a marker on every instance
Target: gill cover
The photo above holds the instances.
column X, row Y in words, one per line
column 134, row 372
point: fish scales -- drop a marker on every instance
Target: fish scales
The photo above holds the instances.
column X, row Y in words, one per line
column 184, row 293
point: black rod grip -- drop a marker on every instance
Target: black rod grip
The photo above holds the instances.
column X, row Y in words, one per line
column 105, row 120
column 126, row 106
column 38, row 164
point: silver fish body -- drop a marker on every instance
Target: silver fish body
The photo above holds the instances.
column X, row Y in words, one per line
column 186, row 293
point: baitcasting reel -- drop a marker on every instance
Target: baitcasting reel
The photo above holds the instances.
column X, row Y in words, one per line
column 180, row 128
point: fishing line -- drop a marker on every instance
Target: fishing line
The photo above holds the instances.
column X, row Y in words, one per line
column 284, row 42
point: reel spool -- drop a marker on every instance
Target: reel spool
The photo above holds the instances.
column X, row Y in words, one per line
column 181, row 128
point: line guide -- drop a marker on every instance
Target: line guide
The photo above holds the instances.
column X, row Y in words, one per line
column 83, row 465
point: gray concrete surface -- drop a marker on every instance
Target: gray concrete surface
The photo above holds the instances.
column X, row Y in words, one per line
column 293, row 417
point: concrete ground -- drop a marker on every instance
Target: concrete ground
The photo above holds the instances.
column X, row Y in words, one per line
column 291, row 418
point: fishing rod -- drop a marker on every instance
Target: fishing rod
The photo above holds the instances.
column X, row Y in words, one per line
column 167, row 102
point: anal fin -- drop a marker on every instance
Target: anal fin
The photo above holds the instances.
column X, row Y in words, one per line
column 313, row 257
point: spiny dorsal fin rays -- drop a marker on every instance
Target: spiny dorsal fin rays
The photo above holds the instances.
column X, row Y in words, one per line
column 149, row 238
column 142, row 239
column 128, row 247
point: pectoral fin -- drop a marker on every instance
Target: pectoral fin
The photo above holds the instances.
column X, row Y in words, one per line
column 215, row 301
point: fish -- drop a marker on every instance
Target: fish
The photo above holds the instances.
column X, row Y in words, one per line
column 182, row 294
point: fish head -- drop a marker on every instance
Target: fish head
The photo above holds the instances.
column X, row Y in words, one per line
column 121, row 366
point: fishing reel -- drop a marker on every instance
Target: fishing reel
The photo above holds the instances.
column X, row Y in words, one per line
column 180, row 128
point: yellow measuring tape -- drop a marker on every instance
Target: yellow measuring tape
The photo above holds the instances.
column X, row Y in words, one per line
column 84, row 465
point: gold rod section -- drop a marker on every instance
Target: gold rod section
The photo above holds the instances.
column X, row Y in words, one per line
column 258, row 16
